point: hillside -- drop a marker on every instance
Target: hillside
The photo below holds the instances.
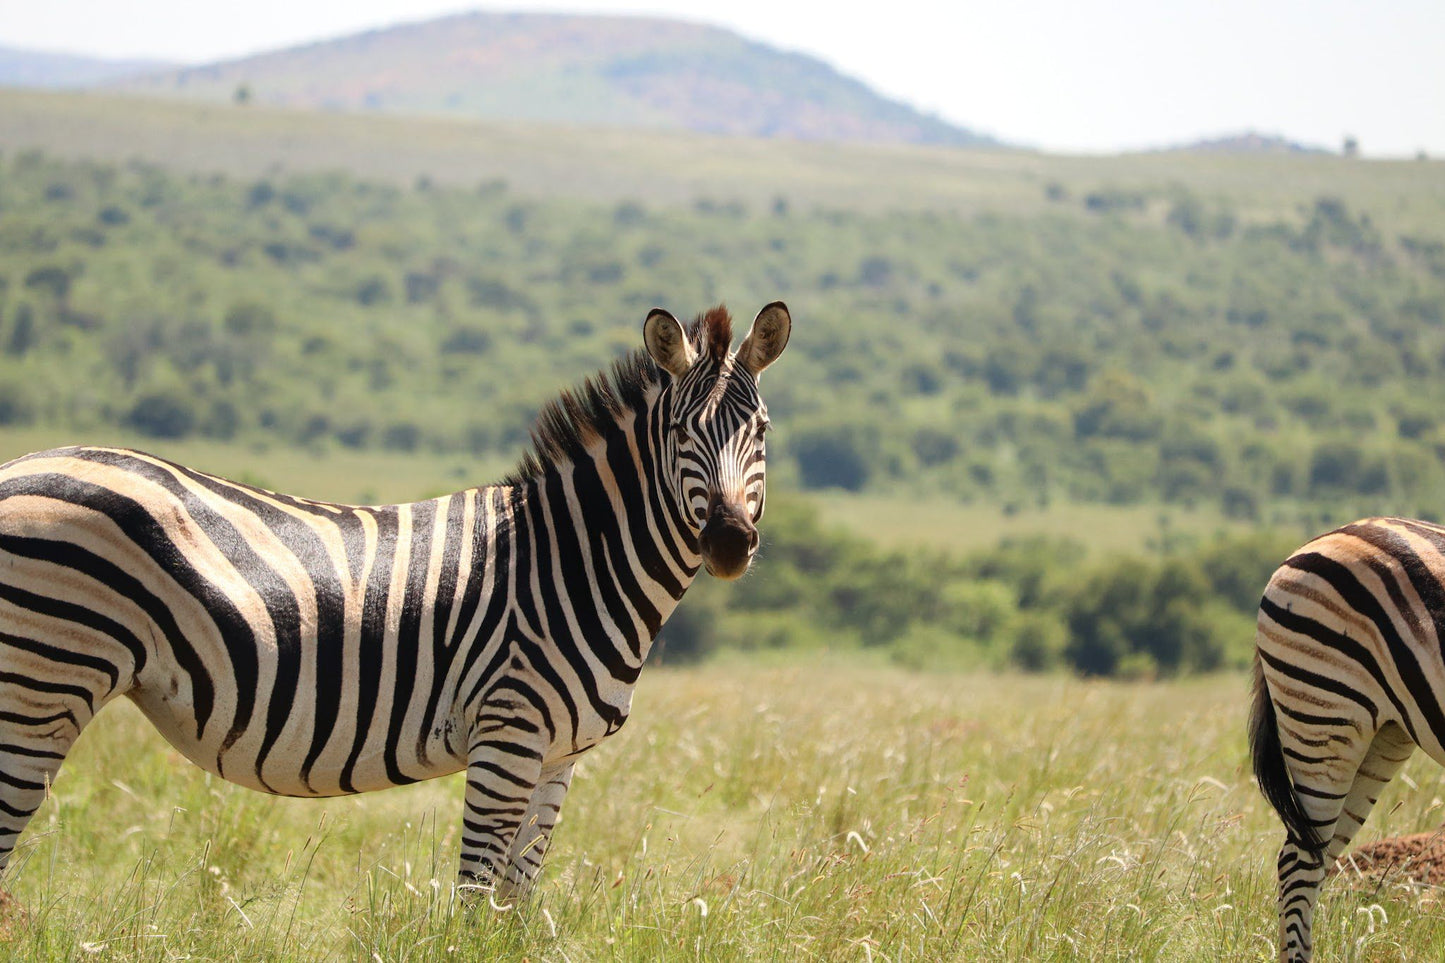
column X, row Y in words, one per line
column 1248, row 142
column 38, row 68
column 590, row 70
column 1181, row 343
column 1121, row 344
column 670, row 168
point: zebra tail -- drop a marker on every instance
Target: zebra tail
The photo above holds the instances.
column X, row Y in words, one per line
column 1270, row 771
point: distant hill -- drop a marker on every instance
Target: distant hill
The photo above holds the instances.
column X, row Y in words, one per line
column 37, row 68
column 589, row 70
column 1248, row 142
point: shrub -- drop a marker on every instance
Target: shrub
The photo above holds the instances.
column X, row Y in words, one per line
column 163, row 414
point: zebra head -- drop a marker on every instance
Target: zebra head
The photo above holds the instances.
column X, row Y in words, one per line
column 713, row 422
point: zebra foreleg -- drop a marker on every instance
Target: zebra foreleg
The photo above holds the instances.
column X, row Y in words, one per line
column 504, row 766
column 530, row 844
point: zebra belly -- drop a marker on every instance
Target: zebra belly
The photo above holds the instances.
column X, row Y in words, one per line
column 375, row 764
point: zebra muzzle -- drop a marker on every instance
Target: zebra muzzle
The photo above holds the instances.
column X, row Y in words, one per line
column 728, row 540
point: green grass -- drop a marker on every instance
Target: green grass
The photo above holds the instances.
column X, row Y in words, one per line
column 663, row 167
column 815, row 812
column 942, row 523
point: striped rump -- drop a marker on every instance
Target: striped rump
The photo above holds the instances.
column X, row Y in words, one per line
column 1349, row 679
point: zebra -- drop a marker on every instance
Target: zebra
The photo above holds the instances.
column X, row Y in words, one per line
column 1348, row 680
column 303, row 648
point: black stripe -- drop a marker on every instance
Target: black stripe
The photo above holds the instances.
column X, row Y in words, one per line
column 61, row 657
column 54, row 688
column 556, row 635
column 442, row 654
column 576, row 592
column 371, row 647
column 408, row 641
column 1314, row 679
column 667, row 513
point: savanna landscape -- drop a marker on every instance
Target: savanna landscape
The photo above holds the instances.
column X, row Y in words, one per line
column 1044, row 429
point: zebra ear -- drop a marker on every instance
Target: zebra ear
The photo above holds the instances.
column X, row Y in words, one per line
column 766, row 339
column 667, row 342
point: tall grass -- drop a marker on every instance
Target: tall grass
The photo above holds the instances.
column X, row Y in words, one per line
column 816, row 812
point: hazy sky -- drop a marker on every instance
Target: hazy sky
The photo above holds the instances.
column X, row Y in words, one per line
column 1057, row 74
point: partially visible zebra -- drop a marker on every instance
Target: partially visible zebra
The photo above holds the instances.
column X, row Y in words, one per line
column 1349, row 679
column 311, row 649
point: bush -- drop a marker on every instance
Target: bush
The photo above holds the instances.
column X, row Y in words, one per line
column 49, row 279
column 163, row 414
column 1039, row 640
column 831, row 458
column 16, row 405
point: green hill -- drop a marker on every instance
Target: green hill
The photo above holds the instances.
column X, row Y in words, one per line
column 985, row 342
column 1128, row 344
column 563, row 69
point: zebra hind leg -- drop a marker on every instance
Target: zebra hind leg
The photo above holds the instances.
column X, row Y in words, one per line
column 530, row 844
column 1388, row 753
column 38, row 727
column 1338, row 798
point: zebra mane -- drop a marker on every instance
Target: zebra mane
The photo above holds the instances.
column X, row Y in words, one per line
column 576, row 418
column 714, row 332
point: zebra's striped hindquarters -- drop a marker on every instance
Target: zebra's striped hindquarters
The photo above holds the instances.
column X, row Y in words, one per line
column 1350, row 679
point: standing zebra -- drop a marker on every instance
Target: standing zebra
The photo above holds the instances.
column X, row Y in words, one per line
column 1349, row 679
column 310, row 649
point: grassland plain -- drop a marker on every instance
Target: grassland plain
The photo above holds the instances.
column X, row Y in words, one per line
column 677, row 168
column 819, row 811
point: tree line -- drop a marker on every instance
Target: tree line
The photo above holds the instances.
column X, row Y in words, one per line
column 1123, row 346
column 1035, row 604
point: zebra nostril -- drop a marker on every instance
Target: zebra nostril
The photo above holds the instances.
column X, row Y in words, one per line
column 752, row 541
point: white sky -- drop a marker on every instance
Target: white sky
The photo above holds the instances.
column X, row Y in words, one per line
column 1062, row 75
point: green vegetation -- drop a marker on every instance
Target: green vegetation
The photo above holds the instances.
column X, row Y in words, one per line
column 809, row 811
column 1051, row 412
column 1130, row 346
column 1034, row 603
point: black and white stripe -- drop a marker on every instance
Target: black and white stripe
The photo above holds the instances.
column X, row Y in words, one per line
column 311, row 649
column 1349, row 679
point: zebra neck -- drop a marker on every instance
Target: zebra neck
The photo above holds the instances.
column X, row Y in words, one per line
column 608, row 529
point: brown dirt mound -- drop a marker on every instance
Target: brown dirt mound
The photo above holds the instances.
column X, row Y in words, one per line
column 1417, row 859
column 11, row 915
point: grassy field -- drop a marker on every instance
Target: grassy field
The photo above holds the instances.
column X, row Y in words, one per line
column 668, row 168
column 328, row 473
column 901, row 522
column 817, row 812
